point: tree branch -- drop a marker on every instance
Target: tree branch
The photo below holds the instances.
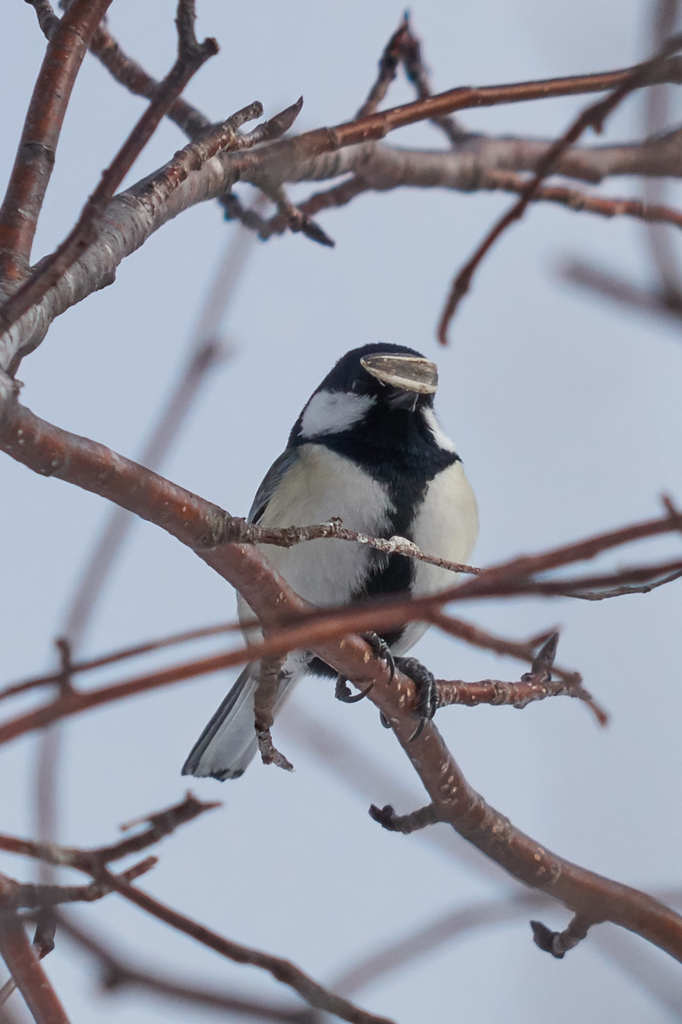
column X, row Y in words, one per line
column 16, row 895
column 282, row 970
column 27, row 972
column 621, row 291
column 576, row 200
column 36, row 153
column 593, row 116
column 119, row 973
column 159, row 824
column 191, row 56
column 130, row 218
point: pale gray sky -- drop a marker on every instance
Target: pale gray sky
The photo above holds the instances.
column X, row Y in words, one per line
column 567, row 413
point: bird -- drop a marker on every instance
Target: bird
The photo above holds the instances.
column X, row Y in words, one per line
column 367, row 448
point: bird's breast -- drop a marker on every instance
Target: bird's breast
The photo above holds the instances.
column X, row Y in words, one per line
column 446, row 525
column 322, row 484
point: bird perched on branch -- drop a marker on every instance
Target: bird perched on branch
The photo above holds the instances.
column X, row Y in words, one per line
column 368, row 448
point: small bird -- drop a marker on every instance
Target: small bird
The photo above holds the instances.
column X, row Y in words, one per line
column 367, row 448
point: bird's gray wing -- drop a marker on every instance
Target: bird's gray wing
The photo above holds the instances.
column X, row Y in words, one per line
column 270, row 483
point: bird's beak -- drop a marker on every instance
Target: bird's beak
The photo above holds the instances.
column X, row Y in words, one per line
column 407, row 373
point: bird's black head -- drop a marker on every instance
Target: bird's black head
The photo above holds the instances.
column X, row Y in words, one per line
column 387, row 372
column 380, row 381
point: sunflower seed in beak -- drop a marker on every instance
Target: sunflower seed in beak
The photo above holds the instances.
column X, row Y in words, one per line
column 408, row 373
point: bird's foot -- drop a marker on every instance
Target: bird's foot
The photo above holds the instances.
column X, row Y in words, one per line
column 427, row 691
column 381, row 650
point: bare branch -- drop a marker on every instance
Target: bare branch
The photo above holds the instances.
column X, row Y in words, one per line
column 128, row 221
column 593, row 116
column 626, row 589
column 282, row 970
column 43, row 943
column 158, row 825
column 119, row 973
column 263, row 706
column 47, row 19
column 388, row 66
column 122, row 654
column 621, row 291
column 35, row 156
column 15, row 895
column 498, row 693
column 664, row 15
column 574, row 199
column 27, row 972
column 191, row 56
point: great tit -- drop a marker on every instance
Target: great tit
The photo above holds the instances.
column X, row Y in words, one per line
column 367, row 448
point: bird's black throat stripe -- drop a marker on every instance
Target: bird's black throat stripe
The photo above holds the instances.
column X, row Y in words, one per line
column 397, row 449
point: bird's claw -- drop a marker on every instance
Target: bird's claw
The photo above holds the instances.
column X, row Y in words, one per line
column 343, row 693
column 381, row 650
column 427, row 691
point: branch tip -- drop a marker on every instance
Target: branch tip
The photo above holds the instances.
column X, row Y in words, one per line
column 405, row 823
column 557, row 944
column 544, row 659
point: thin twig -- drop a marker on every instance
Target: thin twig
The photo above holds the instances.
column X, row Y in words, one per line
column 17, row 895
column 499, row 693
column 157, row 826
column 264, row 702
column 617, row 289
column 593, row 116
column 577, row 200
column 119, row 973
column 282, row 970
column 389, row 61
column 47, row 19
column 415, row 69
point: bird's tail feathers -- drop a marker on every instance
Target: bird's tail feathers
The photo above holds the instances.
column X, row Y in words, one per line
column 228, row 742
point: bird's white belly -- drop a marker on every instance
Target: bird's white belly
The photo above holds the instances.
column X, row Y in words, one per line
column 446, row 525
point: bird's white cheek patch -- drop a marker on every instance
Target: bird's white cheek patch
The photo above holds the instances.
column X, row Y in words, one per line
column 331, row 412
column 437, row 432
